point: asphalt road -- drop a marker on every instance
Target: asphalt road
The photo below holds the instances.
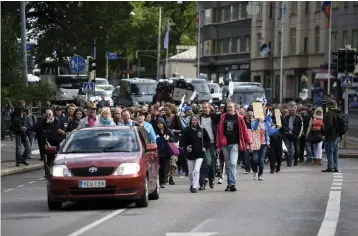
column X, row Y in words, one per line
column 8, row 150
column 292, row 202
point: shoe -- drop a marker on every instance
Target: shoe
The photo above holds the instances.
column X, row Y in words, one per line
column 193, row 190
column 227, row 188
column 180, row 172
column 232, row 188
column 186, row 174
column 261, row 178
column 24, row 162
column 278, row 168
column 328, row 170
column 336, row 170
column 319, row 162
column 272, row 171
column 42, row 159
column 162, row 186
column 17, row 164
column 295, row 163
column 247, row 172
column 220, row 180
column 171, row 181
column 211, row 183
column 255, row 175
column 309, row 160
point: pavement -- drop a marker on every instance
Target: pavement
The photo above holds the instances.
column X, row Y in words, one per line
column 298, row 201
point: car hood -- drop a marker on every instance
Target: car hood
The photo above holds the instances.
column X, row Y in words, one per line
column 97, row 159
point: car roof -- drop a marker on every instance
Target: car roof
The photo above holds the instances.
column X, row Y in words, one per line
column 139, row 80
column 101, row 79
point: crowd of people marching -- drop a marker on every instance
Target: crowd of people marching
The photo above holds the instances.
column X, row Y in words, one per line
column 210, row 138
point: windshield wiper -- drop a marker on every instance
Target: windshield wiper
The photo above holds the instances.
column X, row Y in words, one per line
column 113, row 149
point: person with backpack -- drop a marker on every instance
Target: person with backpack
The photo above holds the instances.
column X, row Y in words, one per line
column 332, row 132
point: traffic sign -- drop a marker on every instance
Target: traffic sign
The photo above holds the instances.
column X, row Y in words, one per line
column 88, row 87
column 112, row 56
column 346, row 81
column 77, row 64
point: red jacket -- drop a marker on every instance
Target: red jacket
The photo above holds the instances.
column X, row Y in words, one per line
column 244, row 137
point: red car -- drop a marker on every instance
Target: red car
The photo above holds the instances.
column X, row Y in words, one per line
column 116, row 162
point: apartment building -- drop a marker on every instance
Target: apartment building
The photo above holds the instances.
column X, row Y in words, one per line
column 304, row 46
column 225, row 36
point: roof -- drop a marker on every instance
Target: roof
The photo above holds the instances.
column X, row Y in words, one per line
column 139, row 80
column 189, row 55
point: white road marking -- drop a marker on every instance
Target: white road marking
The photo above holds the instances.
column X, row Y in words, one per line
column 336, row 188
column 337, row 173
column 97, row 222
column 338, row 177
column 31, row 182
column 200, row 227
column 20, row 186
column 337, row 180
column 8, row 190
column 190, row 234
column 337, row 184
column 330, row 221
column 35, row 152
column 41, row 178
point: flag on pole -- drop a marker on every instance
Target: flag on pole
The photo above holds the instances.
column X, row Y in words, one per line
column 166, row 38
column 326, row 9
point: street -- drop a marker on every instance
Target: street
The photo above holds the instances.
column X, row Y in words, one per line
column 292, row 202
column 8, row 150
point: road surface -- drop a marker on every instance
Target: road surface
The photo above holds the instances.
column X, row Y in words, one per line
column 293, row 202
column 8, row 150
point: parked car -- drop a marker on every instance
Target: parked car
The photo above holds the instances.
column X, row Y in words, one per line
column 108, row 88
column 117, row 162
column 101, row 81
column 97, row 96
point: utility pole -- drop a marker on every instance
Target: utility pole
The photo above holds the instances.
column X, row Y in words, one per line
column 94, row 56
column 159, row 38
column 23, row 42
column 107, row 66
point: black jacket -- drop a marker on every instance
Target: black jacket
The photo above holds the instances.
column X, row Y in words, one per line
column 197, row 139
column 17, row 125
column 331, row 124
column 306, row 122
column 50, row 132
column 297, row 127
column 72, row 125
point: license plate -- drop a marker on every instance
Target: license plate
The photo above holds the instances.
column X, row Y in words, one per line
column 92, row 184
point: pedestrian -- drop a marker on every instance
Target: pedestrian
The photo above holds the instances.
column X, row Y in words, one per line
column 126, row 118
column 105, row 118
column 91, row 119
column 331, row 137
column 31, row 124
column 6, row 114
column 196, row 142
column 275, row 151
column 314, row 137
column 73, row 124
column 147, row 126
column 117, row 115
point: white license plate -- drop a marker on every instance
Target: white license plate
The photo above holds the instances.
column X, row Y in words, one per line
column 92, row 184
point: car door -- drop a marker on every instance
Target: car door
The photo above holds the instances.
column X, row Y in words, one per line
column 149, row 156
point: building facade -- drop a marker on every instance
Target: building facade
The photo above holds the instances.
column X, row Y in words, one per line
column 225, row 36
column 304, row 46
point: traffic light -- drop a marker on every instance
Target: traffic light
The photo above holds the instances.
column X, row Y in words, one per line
column 340, row 60
column 91, row 64
column 351, row 60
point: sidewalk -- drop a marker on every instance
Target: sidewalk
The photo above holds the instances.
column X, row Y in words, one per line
column 348, row 153
column 8, row 159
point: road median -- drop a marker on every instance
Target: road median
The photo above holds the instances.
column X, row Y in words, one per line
column 9, row 168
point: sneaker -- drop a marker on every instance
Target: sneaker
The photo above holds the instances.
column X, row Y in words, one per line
column 246, row 172
column 261, row 178
column 211, row 183
column 171, row 181
column 193, row 190
column 232, row 188
column 220, row 180
column 255, row 175
column 327, row 170
column 227, row 188
column 24, row 162
column 17, row 164
column 162, row 186
column 272, row 171
column 336, row 170
column 180, row 172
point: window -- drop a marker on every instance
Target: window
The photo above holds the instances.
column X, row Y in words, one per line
column 259, row 43
column 334, row 41
column 355, row 38
column 207, row 17
column 307, row 5
column 279, row 43
column 230, row 46
column 346, row 4
column 206, row 50
column 227, row 14
column 293, row 40
column 305, row 45
column 294, row 8
column 222, row 14
column 221, row 46
column 212, row 47
column 317, row 39
column 271, row 10
column 202, row 18
column 242, row 11
column 260, row 5
column 238, row 45
column 344, row 38
column 248, row 43
column 231, row 13
column 318, row 6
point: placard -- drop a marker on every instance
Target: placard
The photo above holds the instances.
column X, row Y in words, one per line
column 278, row 117
column 179, row 93
column 258, row 110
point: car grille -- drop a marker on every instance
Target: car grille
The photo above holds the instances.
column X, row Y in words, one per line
column 101, row 171
column 94, row 191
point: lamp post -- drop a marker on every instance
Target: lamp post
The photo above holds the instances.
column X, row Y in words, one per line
column 159, row 37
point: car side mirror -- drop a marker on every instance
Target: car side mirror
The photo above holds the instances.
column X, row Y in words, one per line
column 151, row 147
column 212, row 91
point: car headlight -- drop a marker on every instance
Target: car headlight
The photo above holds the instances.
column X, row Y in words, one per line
column 60, row 171
column 127, row 169
column 211, row 100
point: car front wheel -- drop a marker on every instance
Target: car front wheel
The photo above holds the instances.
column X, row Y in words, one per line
column 53, row 205
column 143, row 201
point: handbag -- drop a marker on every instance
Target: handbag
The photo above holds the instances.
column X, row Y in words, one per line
column 314, row 137
column 173, row 149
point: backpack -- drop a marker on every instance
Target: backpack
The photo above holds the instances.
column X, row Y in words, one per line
column 342, row 125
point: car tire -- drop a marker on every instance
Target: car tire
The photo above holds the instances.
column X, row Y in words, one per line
column 143, row 201
column 53, row 205
column 155, row 194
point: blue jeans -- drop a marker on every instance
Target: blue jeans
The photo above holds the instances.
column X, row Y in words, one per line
column 231, row 154
column 258, row 158
column 22, row 140
column 309, row 151
column 332, row 153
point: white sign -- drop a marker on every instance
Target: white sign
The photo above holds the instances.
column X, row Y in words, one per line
column 179, row 93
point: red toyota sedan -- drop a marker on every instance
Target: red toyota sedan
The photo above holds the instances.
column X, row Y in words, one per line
column 116, row 162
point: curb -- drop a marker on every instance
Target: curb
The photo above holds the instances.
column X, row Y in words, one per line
column 343, row 156
column 17, row 170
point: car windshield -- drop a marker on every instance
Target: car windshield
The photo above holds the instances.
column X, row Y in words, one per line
column 216, row 88
column 201, row 86
column 70, row 82
column 101, row 81
column 246, row 98
column 97, row 141
column 100, row 93
column 107, row 87
column 143, row 88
